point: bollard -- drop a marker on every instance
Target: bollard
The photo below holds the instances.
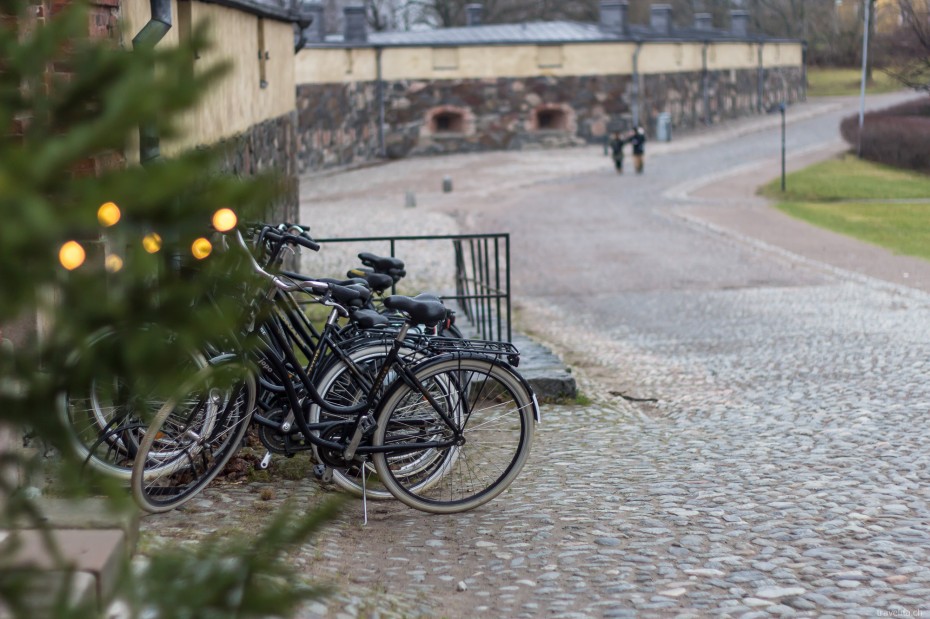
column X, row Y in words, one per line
column 411, row 200
column 446, row 184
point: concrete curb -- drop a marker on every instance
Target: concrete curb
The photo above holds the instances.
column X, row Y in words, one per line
column 544, row 371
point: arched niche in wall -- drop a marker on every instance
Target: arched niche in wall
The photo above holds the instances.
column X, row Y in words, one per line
column 552, row 117
column 449, row 120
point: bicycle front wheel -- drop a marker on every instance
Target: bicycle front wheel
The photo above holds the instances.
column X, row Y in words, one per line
column 456, row 439
column 189, row 442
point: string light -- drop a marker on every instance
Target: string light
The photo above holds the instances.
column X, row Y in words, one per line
column 108, row 214
column 151, row 242
column 225, row 220
column 71, row 255
column 113, row 263
column 201, row 248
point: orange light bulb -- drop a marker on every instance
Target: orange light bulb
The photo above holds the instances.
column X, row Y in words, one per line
column 108, row 214
column 151, row 242
column 71, row 255
column 225, row 220
column 113, row 263
column 201, row 248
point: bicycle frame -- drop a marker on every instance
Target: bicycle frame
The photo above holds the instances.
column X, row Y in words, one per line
column 363, row 411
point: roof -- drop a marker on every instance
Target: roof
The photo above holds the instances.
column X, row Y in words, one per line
column 281, row 10
column 538, row 32
column 553, row 32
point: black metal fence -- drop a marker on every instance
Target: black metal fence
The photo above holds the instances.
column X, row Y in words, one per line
column 481, row 276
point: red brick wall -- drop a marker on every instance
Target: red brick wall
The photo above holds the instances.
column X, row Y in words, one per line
column 103, row 21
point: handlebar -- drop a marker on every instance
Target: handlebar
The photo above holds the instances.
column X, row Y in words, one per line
column 310, row 285
column 291, row 234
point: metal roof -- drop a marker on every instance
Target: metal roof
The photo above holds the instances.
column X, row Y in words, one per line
column 530, row 33
column 538, row 32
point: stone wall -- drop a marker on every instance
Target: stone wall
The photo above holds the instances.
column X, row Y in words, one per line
column 270, row 145
column 338, row 122
column 730, row 94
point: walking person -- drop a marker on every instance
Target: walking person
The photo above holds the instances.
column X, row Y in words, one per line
column 616, row 149
column 638, row 140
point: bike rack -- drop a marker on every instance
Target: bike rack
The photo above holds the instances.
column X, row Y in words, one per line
column 482, row 277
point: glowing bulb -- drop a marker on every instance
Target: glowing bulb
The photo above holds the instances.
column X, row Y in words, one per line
column 113, row 263
column 108, row 214
column 151, row 242
column 224, row 220
column 201, row 248
column 71, row 255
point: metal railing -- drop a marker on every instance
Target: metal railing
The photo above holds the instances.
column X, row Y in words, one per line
column 481, row 277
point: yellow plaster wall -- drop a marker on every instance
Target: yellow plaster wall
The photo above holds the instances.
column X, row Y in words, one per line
column 333, row 65
column 136, row 13
column 721, row 56
column 598, row 59
column 237, row 101
column 781, row 54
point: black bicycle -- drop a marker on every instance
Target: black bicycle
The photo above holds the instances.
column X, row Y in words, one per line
column 445, row 433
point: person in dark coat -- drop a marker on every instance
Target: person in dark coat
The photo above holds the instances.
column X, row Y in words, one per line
column 616, row 149
column 638, row 140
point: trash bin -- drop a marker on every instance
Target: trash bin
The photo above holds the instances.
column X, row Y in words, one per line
column 664, row 127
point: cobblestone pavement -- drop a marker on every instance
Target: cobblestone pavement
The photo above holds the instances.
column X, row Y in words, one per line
column 775, row 464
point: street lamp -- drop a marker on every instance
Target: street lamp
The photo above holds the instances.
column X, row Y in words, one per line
column 865, row 57
column 781, row 108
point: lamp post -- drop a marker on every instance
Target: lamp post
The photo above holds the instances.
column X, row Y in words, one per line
column 865, row 59
column 781, row 108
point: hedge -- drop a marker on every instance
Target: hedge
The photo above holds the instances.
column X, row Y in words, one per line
column 898, row 136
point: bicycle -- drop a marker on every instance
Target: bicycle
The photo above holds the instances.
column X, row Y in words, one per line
column 423, row 431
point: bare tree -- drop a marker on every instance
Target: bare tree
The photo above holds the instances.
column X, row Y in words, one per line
column 383, row 14
column 908, row 47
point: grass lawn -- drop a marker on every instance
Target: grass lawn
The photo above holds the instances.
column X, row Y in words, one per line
column 857, row 198
column 832, row 82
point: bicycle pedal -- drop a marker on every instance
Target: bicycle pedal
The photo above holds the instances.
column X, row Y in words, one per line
column 323, row 473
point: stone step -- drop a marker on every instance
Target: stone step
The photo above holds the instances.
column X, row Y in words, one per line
column 544, row 371
column 85, row 570
column 77, row 550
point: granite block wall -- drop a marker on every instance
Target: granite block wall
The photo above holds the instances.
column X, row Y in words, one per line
column 338, row 123
column 271, row 145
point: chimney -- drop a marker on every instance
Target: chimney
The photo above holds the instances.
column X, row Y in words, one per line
column 613, row 16
column 703, row 21
column 473, row 14
column 316, row 31
column 660, row 18
column 356, row 24
column 739, row 23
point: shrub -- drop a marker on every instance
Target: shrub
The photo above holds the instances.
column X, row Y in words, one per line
column 896, row 136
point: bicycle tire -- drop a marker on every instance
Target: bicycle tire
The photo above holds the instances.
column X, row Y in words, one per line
column 491, row 402
column 161, row 484
column 104, row 434
column 338, row 385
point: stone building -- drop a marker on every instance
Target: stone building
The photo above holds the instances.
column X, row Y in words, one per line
column 254, row 107
column 364, row 95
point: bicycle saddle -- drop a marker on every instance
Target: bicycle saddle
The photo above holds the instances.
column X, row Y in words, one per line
column 381, row 264
column 366, row 319
column 379, row 282
column 423, row 312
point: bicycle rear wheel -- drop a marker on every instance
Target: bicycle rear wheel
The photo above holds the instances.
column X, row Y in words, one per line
column 344, row 385
column 190, row 440
column 487, row 442
column 107, row 422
